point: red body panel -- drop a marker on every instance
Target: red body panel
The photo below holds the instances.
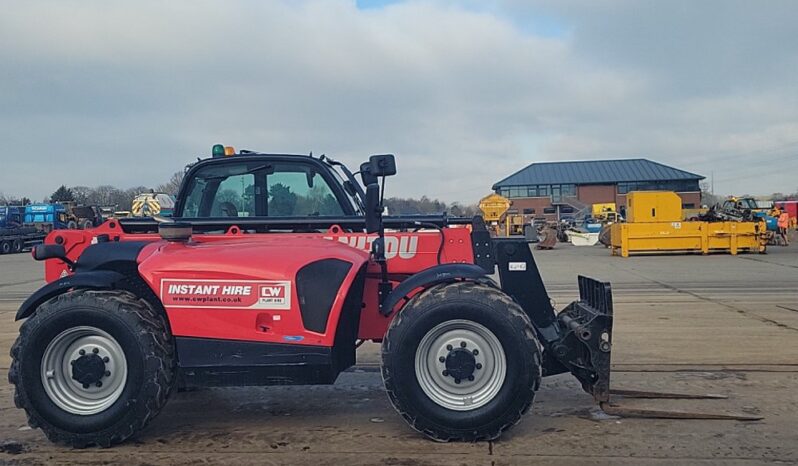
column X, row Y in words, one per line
column 242, row 289
column 203, row 283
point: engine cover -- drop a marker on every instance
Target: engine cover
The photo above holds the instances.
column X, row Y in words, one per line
column 272, row 288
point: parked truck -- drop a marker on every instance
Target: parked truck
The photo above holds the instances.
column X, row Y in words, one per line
column 46, row 217
column 82, row 216
column 152, row 203
column 15, row 236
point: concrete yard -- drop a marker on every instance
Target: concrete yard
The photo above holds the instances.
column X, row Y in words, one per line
column 697, row 324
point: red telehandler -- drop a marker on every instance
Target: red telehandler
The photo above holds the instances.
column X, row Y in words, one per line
column 272, row 271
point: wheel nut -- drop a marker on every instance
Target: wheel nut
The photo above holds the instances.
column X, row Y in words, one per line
column 106, row 359
column 95, row 351
column 475, row 352
column 82, row 352
column 478, row 366
column 445, row 373
column 442, row 359
column 72, row 362
column 85, row 385
column 456, row 380
column 99, row 384
column 470, row 378
column 462, row 344
column 107, row 373
column 448, row 347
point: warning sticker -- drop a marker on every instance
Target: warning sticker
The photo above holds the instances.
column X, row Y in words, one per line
column 240, row 294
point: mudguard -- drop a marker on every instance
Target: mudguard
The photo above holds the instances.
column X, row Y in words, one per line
column 431, row 276
column 94, row 280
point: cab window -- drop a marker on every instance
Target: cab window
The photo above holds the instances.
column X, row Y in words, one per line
column 258, row 189
column 300, row 194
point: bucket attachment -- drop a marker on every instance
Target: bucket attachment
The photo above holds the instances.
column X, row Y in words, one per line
column 584, row 349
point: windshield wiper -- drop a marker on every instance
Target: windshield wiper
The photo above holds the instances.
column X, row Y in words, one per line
column 361, row 195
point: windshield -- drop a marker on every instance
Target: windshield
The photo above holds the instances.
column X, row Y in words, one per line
column 352, row 199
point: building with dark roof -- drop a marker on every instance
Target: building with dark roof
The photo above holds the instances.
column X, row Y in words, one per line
column 551, row 189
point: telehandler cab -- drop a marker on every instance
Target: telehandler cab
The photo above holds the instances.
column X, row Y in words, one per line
column 272, row 271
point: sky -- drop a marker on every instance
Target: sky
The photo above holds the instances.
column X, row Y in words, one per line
column 463, row 92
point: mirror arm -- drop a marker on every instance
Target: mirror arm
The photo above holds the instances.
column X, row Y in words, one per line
column 384, row 287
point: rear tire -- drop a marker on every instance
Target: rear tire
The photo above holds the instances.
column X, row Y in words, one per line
column 447, row 390
column 138, row 367
column 87, row 225
column 17, row 245
column 5, row 247
column 72, row 225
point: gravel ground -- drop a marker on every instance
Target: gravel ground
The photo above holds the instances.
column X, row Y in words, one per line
column 698, row 324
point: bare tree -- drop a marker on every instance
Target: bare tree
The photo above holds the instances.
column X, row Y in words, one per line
column 173, row 185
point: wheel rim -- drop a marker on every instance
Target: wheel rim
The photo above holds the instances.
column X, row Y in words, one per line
column 460, row 365
column 84, row 370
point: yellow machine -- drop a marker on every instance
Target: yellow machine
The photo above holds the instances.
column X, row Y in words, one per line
column 655, row 225
column 606, row 212
column 513, row 223
column 494, row 207
column 149, row 204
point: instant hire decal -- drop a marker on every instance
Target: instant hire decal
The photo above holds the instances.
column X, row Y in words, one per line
column 239, row 294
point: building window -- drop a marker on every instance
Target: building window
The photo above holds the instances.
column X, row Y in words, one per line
column 529, row 211
column 673, row 185
column 689, row 205
column 549, row 210
column 556, row 191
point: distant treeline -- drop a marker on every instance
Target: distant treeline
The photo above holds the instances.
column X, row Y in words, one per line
column 104, row 195
column 425, row 205
column 107, row 195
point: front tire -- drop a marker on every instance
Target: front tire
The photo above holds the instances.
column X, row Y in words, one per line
column 461, row 362
column 92, row 367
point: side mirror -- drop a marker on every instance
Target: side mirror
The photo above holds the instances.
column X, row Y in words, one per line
column 373, row 208
column 382, row 165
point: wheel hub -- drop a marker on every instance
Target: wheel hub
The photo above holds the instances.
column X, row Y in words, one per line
column 88, row 369
column 84, row 370
column 460, row 363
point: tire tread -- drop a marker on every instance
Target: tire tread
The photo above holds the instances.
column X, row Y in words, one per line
column 157, row 385
column 446, row 293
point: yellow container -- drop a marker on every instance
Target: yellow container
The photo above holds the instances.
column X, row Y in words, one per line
column 653, row 206
column 690, row 237
column 493, row 206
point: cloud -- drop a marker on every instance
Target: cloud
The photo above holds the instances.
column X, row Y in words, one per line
column 463, row 92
